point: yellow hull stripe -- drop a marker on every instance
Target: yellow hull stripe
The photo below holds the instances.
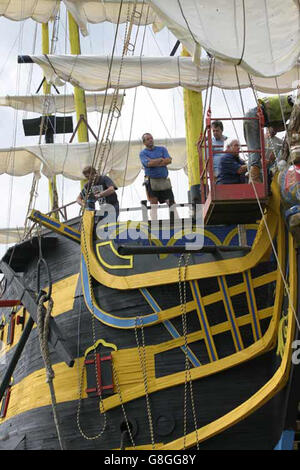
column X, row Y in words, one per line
column 256, row 330
column 32, row 392
column 205, row 327
column 259, row 347
column 236, row 336
column 275, row 384
column 170, row 327
column 63, row 293
column 167, row 276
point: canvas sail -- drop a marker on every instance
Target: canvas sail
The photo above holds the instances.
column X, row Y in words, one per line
column 11, row 235
column 91, row 73
column 52, row 104
column 69, row 159
column 83, row 11
column 264, row 37
column 41, row 11
column 88, row 11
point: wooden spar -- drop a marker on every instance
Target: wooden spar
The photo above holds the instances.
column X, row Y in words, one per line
column 53, row 194
column 193, row 111
column 146, row 250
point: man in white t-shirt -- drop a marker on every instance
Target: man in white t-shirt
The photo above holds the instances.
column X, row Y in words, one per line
column 273, row 145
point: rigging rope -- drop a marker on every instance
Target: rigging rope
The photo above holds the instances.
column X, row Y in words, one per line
column 188, row 378
column 43, row 324
column 239, row 88
column 244, row 34
column 143, row 362
column 116, row 380
column 264, row 218
column 43, row 319
column 270, row 237
column 107, row 126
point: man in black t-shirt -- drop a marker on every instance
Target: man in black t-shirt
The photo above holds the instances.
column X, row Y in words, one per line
column 98, row 188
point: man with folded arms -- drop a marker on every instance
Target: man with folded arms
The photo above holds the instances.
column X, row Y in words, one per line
column 158, row 186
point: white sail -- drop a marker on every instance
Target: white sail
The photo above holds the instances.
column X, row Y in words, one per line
column 264, row 36
column 69, row 159
column 38, row 10
column 11, row 235
column 90, row 11
column 83, row 11
column 59, row 103
column 91, row 73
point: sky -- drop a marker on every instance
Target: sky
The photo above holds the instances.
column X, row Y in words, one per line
column 159, row 112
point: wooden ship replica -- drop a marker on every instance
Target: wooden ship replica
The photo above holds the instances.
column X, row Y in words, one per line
column 150, row 343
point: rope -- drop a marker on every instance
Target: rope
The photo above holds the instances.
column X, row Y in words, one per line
column 135, row 93
column 122, row 444
column 100, row 147
column 85, row 436
column 265, row 222
column 144, row 371
column 239, row 87
column 186, row 22
column 98, row 166
column 114, row 98
column 188, row 377
column 244, row 33
column 43, row 320
column 43, row 325
column 110, row 114
column 116, row 380
column 45, row 111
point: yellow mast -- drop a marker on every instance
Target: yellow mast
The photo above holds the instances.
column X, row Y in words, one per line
column 79, row 94
column 193, row 110
column 46, row 88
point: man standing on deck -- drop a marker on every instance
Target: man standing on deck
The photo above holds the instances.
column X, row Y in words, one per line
column 277, row 110
column 158, row 186
column 98, row 188
column 218, row 141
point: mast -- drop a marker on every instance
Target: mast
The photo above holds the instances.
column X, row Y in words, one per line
column 53, row 194
column 193, row 112
column 79, row 95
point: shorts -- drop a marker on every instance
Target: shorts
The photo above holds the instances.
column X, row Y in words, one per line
column 162, row 196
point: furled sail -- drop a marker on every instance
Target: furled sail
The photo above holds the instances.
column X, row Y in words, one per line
column 38, row 10
column 92, row 72
column 11, row 235
column 69, row 159
column 89, row 11
column 83, row 11
column 264, row 37
column 59, row 103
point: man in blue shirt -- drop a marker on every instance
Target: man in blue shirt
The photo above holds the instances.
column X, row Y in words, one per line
column 155, row 160
column 218, row 140
column 231, row 167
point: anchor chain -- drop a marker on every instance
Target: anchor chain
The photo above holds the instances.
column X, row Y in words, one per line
column 188, row 377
